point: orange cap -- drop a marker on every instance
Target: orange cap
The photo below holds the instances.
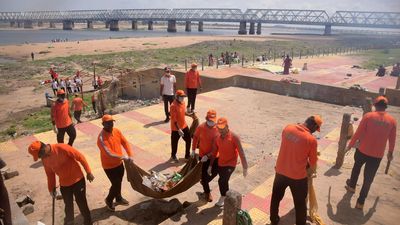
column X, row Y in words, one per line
column 318, row 121
column 212, row 115
column 194, row 65
column 222, row 122
column 34, row 149
column 381, row 98
column 60, row 92
column 180, row 93
column 107, row 118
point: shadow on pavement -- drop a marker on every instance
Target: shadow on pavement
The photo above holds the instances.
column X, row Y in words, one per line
column 168, row 164
column 153, row 124
column 346, row 214
column 332, row 172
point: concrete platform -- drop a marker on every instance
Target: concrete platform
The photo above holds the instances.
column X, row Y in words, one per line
column 258, row 118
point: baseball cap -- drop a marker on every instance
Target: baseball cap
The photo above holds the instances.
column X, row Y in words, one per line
column 34, row 149
column 212, row 115
column 318, row 121
column 222, row 122
column 381, row 99
column 180, row 93
column 60, row 92
column 194, row 65
column 107, row 118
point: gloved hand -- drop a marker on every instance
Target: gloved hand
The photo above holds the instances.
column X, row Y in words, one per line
column 204, row 158
column 193, row 154
column 127, row 158
column 55, row 129
column 209, row 171
column 244, row 172
column 53, row 194
column 180, row 132
column 90, row 177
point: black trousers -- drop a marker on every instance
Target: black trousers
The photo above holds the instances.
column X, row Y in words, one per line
column 191, row 93
column 174, row 142
column 70, row 130
column 168, row 99
column 205, row 177
column 69, row 90
column 77, row 190
column 224, row 173
column 299, row 189
column 371, row 167
column 94, row 106
column 115, row 176
column 77, row 115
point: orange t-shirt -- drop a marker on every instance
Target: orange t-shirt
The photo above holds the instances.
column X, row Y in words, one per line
column 228, row 150
column 63, row 161
column 110, row 148
column 177, row 111
column 60, row 114
column 192, row 79
column 375, row 129
column 78, row 104
column 205, row 135
column 298, row 147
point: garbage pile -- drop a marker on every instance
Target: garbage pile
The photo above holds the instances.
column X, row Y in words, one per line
column 358, row 87
column 160, row 182
column 290, row 80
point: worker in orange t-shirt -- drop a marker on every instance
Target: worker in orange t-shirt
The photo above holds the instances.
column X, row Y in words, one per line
column 78, row 105
column 62, row 160
column 375, row 130
column 179, row 128
column 228, row 146
column 192, row 83
column 204, row 137
column 61, row 119
column 298, row 151
column 109, row 142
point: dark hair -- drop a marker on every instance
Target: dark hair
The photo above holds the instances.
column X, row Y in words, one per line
column 310, row 122
column 381, row 104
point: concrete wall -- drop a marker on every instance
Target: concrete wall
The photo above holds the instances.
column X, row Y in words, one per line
column 146, row 84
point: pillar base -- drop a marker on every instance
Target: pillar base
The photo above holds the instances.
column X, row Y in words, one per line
column 242, row 28
column 52, row 25
column 114, row 25
column 188, row 27
column 134, row 25
column 171, row 26
column 150, row 25
column 89, row 24
column 201, row 26
column 258, row 28
column 252, row 28
column 12, row 24
column 67, row 25
column 328, row 30
column 40, row 24
column 28, row 24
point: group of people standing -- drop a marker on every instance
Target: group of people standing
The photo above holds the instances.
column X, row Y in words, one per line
column 219, row 151
column 71, row 86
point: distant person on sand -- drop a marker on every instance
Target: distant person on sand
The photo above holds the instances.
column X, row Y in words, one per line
column 167, row 90
column 33, row 56
column 381, row 71
column 396, row 70
column 287, row 63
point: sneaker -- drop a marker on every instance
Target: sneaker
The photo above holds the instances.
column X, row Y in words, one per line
column 109, row 205
column 166, row 120
column 221, row 201
column 348, row 188
column 359, row 206
column 174, row 160
column 122, row 201
column 188, row 110
column 208, row 197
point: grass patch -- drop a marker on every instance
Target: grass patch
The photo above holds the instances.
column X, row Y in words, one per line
column 38, row 121
column 147, row 43
column 375, row 58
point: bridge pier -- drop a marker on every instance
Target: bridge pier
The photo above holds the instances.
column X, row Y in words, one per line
column 89, row 24
column 52, row 25
column 252, row 26
column 67, row 25
column 201, row 26
column 242, row 28
column 188, row 27
column 258, row 28
column 107, row 24
column 171, row 26
column 150, row 25
column 28, row 24
column 134, row 25
column 328, row 29
column 40, row 24
column 20, row 24
column 114, row 25
column 12, row 24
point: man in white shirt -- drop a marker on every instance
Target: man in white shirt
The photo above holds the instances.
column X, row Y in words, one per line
column 54, row 86
column 167, row 90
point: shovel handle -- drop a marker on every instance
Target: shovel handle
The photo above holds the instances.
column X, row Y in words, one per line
column 53, row 208
column 387, row 167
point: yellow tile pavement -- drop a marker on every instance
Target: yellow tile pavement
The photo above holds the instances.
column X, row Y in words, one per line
column 333, row 135
column 8, row 146
column 264, row 189
column 258, row 216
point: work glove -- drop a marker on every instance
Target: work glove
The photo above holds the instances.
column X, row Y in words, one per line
column 209, row 171
column 180, row 132
column 90, row 177
column 127, row 158
column 204, row 158
column 244, row 172
column 53, row 194
column 55, row 129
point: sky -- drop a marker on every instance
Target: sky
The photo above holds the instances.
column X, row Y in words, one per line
column 329, row 5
